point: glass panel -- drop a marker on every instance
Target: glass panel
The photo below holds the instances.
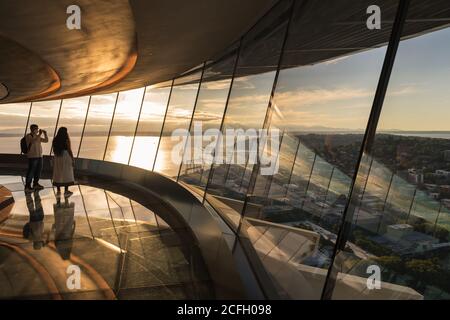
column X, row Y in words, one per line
column 325, row 89
column 301, row 174
column 45, row 114
column 206, row 122
column 318, row 185
column 149, row 127
column 73, row 115
column 97, row 126
column 424, row 211
column 124, row 125
column 441, row 231
column 176, row 126
column 247, row 106
column 339, row 188
column 374, row 197
column 400, row 224
column 13, row 119
column 99, row 214
column 280, row 180
column 400, row 199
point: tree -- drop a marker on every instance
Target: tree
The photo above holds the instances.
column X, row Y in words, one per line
column 423, row 271
column 441, row 233
column 372, row 247
column 394, row 265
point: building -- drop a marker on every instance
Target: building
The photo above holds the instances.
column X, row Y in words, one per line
column 325, row 87
column 403, row 240
column 415, row 176
column 442, row 173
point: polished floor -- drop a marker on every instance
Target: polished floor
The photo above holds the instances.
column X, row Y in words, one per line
column 123, row 249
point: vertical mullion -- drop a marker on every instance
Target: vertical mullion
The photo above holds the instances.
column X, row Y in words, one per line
column 228, row 165
column 384, row 202
column 293, row 166
column 326, row 193
column 369, row 137
column 363, row 192
column 163, row 124
column 28, row 119
column 134, row 214
column 309, row 179
column 56, row 124
column 84, row 126
column 190, row 123
column 112, row 221
column 269, row 182
column 411, row 205
column 137, row 125
column 85, row 211
column 437, row 219
column 110, row 125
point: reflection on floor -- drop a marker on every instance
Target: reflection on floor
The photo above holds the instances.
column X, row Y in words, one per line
column 123, row 250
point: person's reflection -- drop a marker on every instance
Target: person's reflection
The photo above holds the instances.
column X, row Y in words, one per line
column 64, row 226
column 34, row 229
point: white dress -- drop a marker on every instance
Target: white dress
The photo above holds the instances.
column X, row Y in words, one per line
column 63, row 170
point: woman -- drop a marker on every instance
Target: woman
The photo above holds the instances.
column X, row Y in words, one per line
column 63, row 162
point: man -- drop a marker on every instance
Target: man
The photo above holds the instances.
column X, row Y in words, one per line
column 34, row 155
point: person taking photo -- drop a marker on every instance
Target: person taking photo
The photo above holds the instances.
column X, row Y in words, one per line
column 34, row 155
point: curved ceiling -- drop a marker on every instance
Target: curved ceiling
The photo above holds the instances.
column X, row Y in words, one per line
column 121, row 45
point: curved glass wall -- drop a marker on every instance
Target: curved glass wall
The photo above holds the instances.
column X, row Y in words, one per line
column 316, row 194
column 399, row 221
column 320, row 110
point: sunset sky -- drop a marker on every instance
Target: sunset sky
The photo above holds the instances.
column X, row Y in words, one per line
column 335, row 94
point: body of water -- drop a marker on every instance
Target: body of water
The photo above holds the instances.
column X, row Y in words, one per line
column 118, row 150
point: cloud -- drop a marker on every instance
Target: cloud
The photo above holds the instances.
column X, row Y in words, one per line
column 243, row 83
column 336, row 60
column 342, row 107
column 186, row 87
column 249, row 101
column 206, row 116
column 107, row 99
column 301, row 98
column 403, row 90
column 11, row 115
column 216, row 85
